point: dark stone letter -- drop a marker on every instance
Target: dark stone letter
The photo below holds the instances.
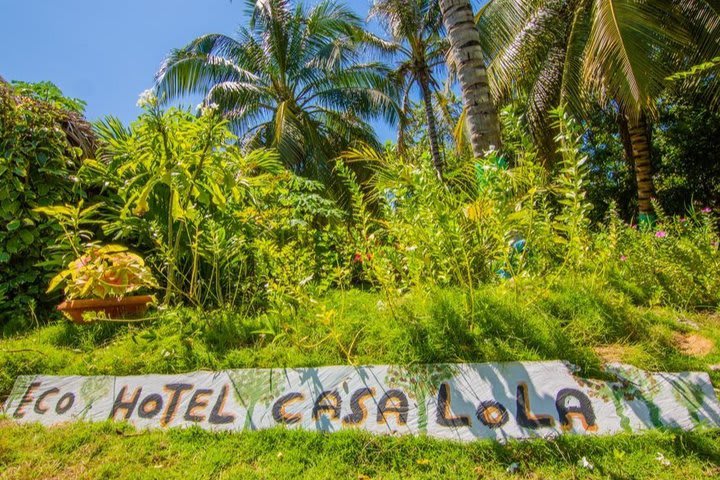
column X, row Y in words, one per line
column 328, row 401
column 127, row 405
column 196, row 401
column 26, row 399
column 176, row 390
column 65, row 403
column 393, row 402
column 444, row 410
column 525, row 417
column 358, row 412
column 217, row 417
column 492, row 414
column 278, row 409
column 584, row 411
column 40, row 408
column 150, row 406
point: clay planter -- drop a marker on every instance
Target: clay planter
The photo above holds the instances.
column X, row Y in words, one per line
column 112, row 307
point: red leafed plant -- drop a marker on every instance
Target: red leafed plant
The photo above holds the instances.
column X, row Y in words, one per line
column 104, row 272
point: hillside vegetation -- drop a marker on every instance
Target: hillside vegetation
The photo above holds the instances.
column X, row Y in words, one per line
column 581, row 320
column 551, row 192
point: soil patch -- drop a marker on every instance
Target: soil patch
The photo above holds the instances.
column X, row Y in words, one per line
column 611, row 353
column 693, row 344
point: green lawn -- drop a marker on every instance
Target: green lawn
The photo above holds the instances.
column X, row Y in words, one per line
column 118, row 451
column 575, row 320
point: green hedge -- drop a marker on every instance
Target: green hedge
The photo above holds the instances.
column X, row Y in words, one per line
column 37, row 166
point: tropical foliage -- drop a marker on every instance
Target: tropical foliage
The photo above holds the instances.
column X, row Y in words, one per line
column 38, row 164
column 278, row 232
column 294, row 79
column 613, row 51
column 104, row 271
column 276, row 190
column 216, row 223
column 415, row 29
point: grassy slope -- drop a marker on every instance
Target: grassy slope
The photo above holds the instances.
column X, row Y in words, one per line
column 511, row 322
column 116, row 451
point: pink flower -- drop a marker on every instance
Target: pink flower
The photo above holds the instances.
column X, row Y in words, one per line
column 633, row 226
column 623, row 258
column 683, row 219
column 706, row 210
column 661, row 234
column 357, row 258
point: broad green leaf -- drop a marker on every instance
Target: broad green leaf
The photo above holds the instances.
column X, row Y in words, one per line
column 57, row 280
column 26, row 236
column 56, row 211
column 177, row 211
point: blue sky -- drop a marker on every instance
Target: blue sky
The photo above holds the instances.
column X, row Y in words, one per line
column 107, row 51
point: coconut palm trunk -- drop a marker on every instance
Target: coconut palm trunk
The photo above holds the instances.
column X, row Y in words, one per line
column 639, row 140
column 432, row 127
column 466, row 51
column 624, row 130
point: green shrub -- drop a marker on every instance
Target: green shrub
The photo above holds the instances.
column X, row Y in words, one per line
column 220, row 225
column 37, row 168
column 509, row 218
column 675, row 263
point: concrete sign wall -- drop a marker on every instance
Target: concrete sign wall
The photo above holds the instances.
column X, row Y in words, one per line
column 462, row 402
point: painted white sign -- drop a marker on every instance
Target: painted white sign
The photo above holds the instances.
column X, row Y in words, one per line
column 462, row 402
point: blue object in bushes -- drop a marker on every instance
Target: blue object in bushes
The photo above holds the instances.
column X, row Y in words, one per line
column 518, row 245
column 504, row 274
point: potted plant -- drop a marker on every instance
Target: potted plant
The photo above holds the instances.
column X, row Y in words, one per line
column 100, row 281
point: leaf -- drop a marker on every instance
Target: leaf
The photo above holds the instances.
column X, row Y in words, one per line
column 13, row 225
column 87, row 212
column 112, row 248
column 57, row 280
column 26, row 236
column 217, row 195
column 57, row 211
column 141, row 206
column 177, row 211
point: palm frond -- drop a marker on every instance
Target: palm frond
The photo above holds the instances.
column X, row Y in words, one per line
column 619, row 60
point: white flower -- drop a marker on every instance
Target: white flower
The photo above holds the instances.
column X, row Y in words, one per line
column 585, row 464
column 513, row 467
column 207, row 109
column 663, row 461
column 147, row 98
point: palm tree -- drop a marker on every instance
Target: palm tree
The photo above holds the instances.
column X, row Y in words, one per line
column 292, row 79
column 617, row 51
column 414, row 27
column 469, row 61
